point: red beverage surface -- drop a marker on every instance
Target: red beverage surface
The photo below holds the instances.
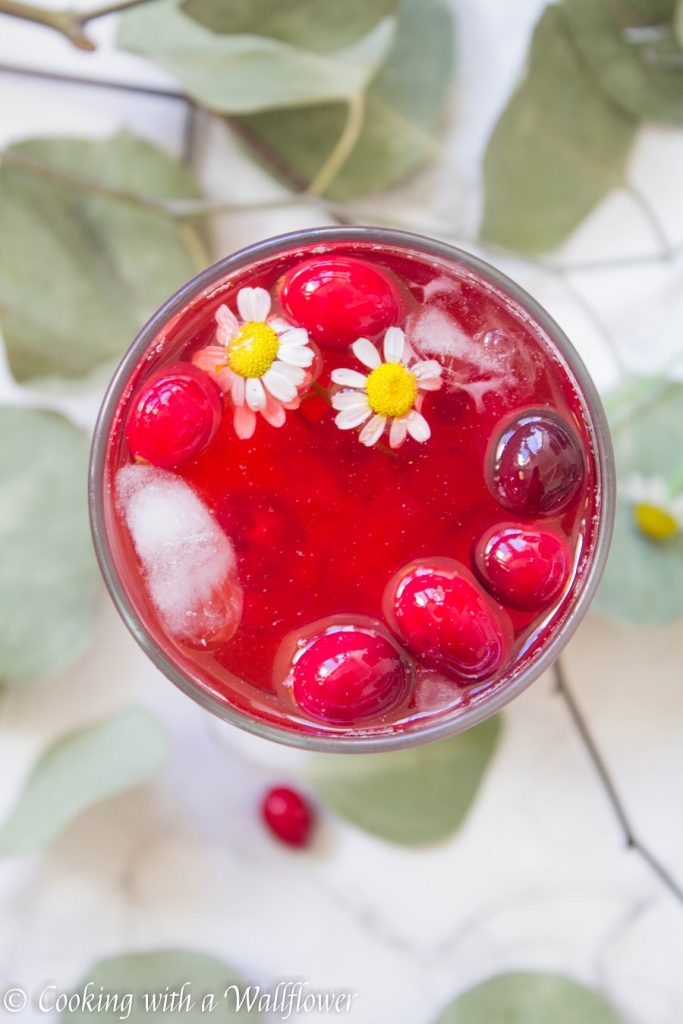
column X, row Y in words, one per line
column 322, row 524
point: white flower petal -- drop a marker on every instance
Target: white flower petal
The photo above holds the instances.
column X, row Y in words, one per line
column 280, row 387
column 426, row 368
column 273, row 412
column 280, row 325
column 237, row 392
column 347, row 419
column 294, row 336
column 417, row 425
column 398, row 432
column 366, row 353
column 394, row 345
column 372, row 431
column 349, row 378
column 253, row 303
column 227, row 324
column 255, row 394
column 430, row 384
column 350, row 400
column 296, row 356
column 295, row 374
column 244, row 421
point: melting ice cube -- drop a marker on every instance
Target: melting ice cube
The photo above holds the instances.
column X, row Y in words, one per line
column 188, row 561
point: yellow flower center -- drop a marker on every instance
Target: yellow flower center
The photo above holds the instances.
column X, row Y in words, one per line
column 392, row 390
column 253, row 349
column 656, row 523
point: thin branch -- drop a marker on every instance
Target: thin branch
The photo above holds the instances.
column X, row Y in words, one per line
column 630, row 837
column 653, row 220
column 68, row 23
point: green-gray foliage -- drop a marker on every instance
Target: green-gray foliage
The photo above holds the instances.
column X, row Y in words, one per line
column 80, row 272
column 560, row 145
column 526, row 998
column 81, row 769
column 643, row 581
column 238, row 74
column 48, row 577
column 142, row 976
column 412, row 797
column 402, row 107
column 319, row 25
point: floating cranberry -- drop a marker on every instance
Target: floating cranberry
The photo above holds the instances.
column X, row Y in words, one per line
column 339, row 299
column 288, row 816
column 537, row 465
column 524, row 566
column 174, row 417
column 349, row 675
column 445, row 619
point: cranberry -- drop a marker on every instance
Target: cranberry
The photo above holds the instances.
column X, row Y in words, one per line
column 445, row 618
column 339, row 299
column 175, row 416
column 537, row 465
column 524, row 566
column 287, row 815
column 349, row 675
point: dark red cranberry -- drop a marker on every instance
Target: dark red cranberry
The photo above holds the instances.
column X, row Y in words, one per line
column 288, row 816
column 349, row 675
column 339, row 299
column 537, row 465
column 445, row 619
column 175, row 416
column 525, row 567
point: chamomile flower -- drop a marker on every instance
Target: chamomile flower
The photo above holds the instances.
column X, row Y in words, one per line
column 390, row 396
column 260, row 360
column 657, row 514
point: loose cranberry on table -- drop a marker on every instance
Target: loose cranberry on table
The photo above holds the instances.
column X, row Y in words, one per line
column 174, row 417
column 288, row 816
column 537, row 465
column 445, row 618
column 339, row 299
column 349, row 676
column 524, row 566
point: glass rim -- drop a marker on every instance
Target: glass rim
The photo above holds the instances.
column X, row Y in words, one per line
column 384, row 741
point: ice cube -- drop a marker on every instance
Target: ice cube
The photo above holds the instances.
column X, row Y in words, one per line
column 493, row 361
column 188, row 562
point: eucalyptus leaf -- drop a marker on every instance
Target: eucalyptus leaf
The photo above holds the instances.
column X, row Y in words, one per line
column 80, row 770
column 80, row 272
column 632, row 52
column 526, row 998
column 153, row 987
column 643, row 581
column 412, row 797
column 48, row 577
column 320, row 25
column 558, row 148
column 678, row 23
column 239, row 74
column 402, row 107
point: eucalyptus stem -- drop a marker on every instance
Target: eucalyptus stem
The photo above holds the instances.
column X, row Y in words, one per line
column 70, row 24
column 342, row 148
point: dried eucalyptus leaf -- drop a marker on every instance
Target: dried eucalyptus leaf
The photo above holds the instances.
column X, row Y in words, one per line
column 403, row 104
column 80, row 272
column 411, row 797
column 239, row 74
column 633, row 54
column 320, row 25
column 147, row 982
column 529, row 998
column 80, row 770
column 558, row 148
column 48, row 576
column 643, row 581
